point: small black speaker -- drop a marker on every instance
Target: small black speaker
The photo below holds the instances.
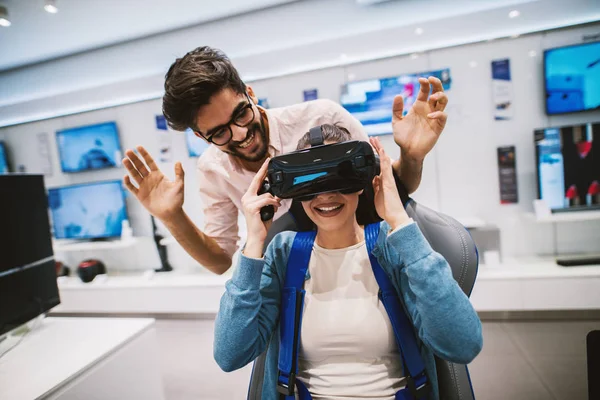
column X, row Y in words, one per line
column 89, row 269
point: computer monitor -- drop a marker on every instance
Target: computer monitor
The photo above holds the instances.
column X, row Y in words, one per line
column 27, row 268
column 572, row 77
column 89, row 147
column 88, row 211
column 3, row 159
column 371, row 101
column 568, row 166
column 195, row 145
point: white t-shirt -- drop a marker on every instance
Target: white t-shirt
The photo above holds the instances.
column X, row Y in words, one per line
column 347, row 345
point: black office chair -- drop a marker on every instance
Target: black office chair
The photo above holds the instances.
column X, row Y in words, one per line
column 446, row 236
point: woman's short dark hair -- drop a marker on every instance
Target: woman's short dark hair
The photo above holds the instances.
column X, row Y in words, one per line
column 192, row 80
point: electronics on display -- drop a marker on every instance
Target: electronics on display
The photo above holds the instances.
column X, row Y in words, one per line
column 89, row 147
column 195, row 145
column 568, row 166
column 3, row 159
column 27, row 268
column 371, row 101
column 89, row 211
column 572, row 77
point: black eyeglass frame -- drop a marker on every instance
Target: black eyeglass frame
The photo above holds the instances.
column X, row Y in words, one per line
column 227, row 126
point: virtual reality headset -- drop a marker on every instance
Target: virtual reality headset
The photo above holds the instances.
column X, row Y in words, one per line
column 346, row 167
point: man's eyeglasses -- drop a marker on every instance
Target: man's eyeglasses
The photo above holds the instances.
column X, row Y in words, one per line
column 222, row 135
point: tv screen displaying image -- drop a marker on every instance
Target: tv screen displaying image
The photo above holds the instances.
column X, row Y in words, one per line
column 572, row 76
column 3, row 159
column 89, row 147
column 195, row 145
column 371, row 101
column 89, row 211
column 568, row 166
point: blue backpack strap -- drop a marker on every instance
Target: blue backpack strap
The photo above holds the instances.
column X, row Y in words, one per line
column 417, row 383
column 292, row 301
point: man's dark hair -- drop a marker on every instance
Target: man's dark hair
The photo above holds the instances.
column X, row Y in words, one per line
column 192, row 80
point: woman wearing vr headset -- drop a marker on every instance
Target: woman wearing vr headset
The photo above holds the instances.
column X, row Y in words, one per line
column 347, row 344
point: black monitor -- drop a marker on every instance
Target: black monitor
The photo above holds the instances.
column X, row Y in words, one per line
column 89, row 147
column 27, row 269
column 88, row 211
column 568, row 166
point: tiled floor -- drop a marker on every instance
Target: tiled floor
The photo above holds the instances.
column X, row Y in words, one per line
column 519, row 360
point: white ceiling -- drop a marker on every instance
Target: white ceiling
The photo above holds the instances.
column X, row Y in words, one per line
column 80, row 25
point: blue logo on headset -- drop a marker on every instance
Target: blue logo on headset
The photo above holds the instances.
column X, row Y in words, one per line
column 308, row 178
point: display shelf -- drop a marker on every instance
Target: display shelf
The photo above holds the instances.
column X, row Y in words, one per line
column 566, row 216
column 471, row 222
column 68, row 245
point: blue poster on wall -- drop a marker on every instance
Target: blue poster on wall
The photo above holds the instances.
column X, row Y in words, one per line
column 161, row 123
column 371, row 101
column 502, row 90
column 311, row 94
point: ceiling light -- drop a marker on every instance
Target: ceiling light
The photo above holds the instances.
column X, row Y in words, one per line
column 514, row 14
column 472, row 64
column 414, row 56
column 50, row 6
column 532, row 53
column 4, row 21
column 419, row 31
column 514, row 36
column 343, row 56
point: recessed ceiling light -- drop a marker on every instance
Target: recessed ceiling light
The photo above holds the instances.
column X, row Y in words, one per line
column 532, row 53
column 414, row 56
column 50, row 6
column 419, row 31
column 514, row 14
column 514, row 36
column 472, row 64
column 4, row 21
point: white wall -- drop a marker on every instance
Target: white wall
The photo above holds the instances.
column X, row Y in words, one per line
column 460, row 176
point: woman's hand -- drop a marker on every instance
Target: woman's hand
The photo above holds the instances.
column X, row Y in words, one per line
column 251, row 205
column 387, row 200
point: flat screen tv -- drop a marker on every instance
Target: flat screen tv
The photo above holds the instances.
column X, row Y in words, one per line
column 27, row 268
column 572, row 78
column 568, row 166
column 88, row 211
column 3, row 159
column 195, row 145
column 371, row 101
column 89, row 147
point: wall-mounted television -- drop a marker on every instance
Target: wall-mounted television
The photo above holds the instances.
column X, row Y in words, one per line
column 568, row 166
column 89, row 147
column 4, row 169
column 195, row 145
column 370, row 101
column 88, row 211
column 572, row 78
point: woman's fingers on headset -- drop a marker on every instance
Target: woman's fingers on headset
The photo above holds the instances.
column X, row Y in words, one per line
column 259, row 177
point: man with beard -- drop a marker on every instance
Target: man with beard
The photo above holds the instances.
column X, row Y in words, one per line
column 204, row 92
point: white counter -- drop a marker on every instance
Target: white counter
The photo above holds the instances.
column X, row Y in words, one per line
column 84, row 358
column 515, row 285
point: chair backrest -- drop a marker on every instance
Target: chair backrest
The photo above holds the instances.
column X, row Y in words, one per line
column 447, row 237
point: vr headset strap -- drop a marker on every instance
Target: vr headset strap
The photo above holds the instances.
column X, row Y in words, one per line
column 417, row 386
column 316, row 136
column 292, row 301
